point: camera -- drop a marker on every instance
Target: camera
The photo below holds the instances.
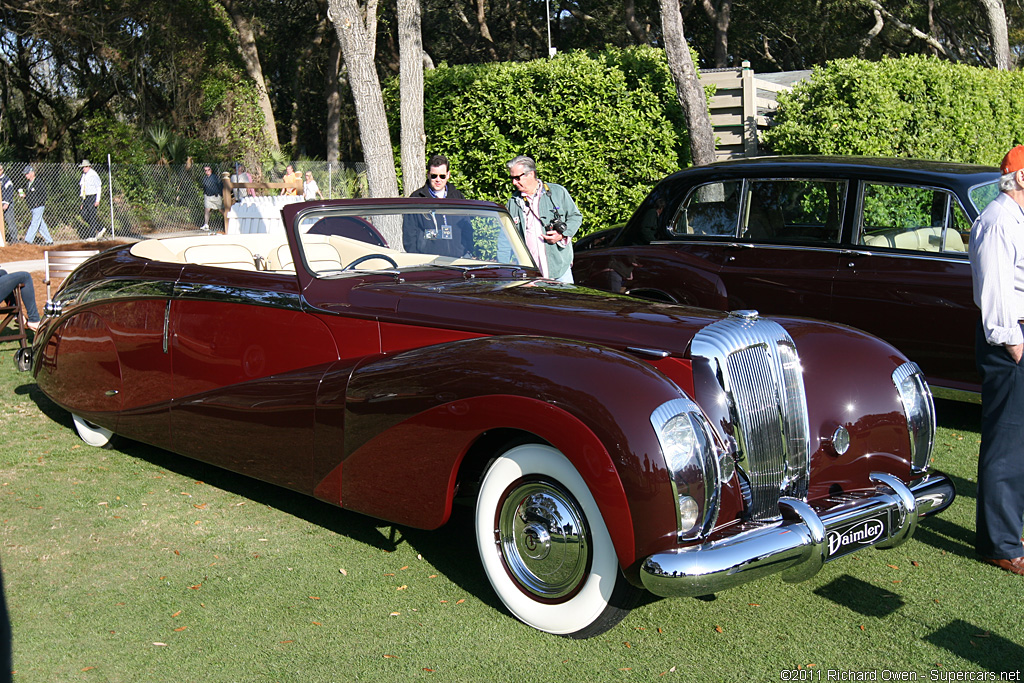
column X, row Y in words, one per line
column 558, row 225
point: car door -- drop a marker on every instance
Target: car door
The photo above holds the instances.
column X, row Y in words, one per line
column 247, row 362
column 907, row 278
column 786, row 250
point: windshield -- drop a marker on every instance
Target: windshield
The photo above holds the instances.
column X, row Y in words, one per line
column 338, row 240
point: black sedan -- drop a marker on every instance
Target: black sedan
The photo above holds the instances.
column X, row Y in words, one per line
column 878, row 244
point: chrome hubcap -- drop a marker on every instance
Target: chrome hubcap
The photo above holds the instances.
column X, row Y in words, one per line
column 542, row 536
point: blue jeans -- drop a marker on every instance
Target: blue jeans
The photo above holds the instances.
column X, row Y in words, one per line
column 38, row 224
column 8, row 281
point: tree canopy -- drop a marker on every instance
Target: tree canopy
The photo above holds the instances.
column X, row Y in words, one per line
column 227, row 77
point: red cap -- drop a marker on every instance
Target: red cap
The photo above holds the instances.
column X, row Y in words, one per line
column 1013, row 161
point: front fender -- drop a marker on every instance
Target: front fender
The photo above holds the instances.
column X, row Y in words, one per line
column 411, row 418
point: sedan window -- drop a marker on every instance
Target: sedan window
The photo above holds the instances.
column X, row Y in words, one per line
column 793, row 210
column 911, row 217
column 710, row 210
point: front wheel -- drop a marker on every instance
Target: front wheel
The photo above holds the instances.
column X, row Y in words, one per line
column 93, row 434
column 545, row 547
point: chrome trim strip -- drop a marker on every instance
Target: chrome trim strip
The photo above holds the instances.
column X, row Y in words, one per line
column 167, row 327
column 837, row 249
column 237, row 295
column 648, row 353
column 795, row 546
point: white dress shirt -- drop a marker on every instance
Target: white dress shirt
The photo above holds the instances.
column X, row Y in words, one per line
column 997, row 270
column 90, row 184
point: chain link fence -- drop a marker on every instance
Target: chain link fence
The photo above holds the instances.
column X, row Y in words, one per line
column 145, row 201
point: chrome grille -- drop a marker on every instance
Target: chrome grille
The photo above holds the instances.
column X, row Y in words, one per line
column 758, row 368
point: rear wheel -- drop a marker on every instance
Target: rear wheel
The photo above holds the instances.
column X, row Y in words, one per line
column 545, row 547
column 93, row 434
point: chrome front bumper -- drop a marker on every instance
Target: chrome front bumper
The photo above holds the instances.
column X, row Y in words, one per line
column 797, row 546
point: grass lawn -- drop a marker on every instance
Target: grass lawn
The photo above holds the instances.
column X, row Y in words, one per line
column 134, row 564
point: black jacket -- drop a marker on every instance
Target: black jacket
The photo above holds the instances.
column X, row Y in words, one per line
column 421, row 235
column 35, row 193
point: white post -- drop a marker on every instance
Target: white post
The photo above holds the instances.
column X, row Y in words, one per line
column 110, row 191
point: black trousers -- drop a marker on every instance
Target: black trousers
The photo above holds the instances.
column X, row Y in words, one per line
column 1000, row 511
column 92, row 221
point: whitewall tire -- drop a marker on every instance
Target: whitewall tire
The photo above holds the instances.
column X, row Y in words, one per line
column 544, row 545
column 92, row 434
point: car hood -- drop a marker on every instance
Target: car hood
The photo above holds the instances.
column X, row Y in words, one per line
column 542, row 307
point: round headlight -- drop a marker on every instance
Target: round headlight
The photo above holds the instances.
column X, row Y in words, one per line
column 679, row 442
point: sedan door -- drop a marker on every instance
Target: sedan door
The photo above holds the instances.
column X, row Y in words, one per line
column 786, row 253
column 907, row 279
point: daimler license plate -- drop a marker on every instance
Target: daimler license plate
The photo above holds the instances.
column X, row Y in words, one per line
column 852, row 537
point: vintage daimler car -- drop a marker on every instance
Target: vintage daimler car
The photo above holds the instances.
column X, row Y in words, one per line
column 608, row 444
column 879, row 244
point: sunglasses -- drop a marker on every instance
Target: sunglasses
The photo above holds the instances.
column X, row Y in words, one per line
column 442, row 176
column 515, row 178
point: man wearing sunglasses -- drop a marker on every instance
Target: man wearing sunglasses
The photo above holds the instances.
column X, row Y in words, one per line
column 435, row 233
column 546, row 217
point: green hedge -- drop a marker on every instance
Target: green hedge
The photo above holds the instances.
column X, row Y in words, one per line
column 607, row 126
column 912, row 107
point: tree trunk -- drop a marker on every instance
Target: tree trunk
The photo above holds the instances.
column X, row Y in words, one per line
column 688, row 87
column 995, row 11
column 356, row 36
column 410, row 50
column 720, row 18
column 251, row 59
column 333, row 89
column 639, row 33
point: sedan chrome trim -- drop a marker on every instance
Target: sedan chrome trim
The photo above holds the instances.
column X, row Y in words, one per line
column 798, row 545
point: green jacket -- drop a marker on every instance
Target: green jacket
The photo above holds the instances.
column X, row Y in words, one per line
column 554, row 200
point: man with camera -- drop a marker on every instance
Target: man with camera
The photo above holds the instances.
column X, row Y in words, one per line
column 546, row 217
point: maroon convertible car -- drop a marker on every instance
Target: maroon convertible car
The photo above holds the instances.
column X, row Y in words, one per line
column 608, row 444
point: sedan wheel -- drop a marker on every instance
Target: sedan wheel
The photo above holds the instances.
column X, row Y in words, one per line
column 93, row 434
column 545, row 547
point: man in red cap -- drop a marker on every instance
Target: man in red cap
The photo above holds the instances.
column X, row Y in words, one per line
column 997, row 269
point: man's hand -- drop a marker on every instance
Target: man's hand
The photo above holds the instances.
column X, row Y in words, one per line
column 1015, row 351
column 553, row 237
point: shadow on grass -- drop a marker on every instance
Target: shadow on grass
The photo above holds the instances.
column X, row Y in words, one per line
column 990, row 651
column 451, row 549
column 860, row 596
column 957, row 415
column 46, row 406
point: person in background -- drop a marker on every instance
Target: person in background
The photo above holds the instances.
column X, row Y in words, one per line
column 35, row 196
column 90, row 189
column 8, row 282
column 242, row 176
column 7, row 198
column 310, row 190
column 290, row 176
column 212, row 191
column 546, row 217
column 434, row 233
column 997, row 271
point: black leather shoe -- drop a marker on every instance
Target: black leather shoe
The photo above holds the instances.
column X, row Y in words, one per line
column 1014, row 565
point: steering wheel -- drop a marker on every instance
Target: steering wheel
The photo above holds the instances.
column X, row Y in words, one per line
column 370, row 257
